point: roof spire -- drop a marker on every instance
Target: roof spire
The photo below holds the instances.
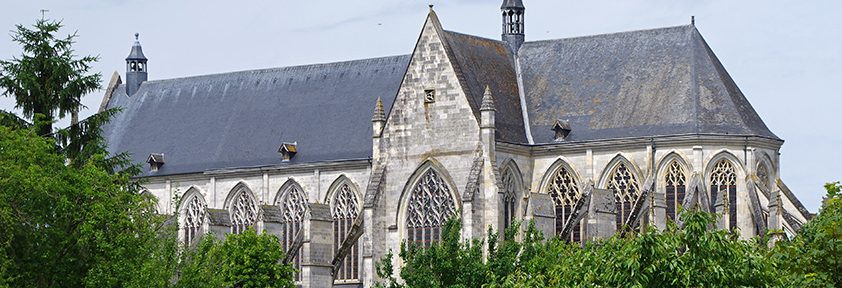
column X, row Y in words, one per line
column 135, row 67
column 431, row 7
column 487, row 100
column 379, row 112
column 513, row 19
column 692, row 20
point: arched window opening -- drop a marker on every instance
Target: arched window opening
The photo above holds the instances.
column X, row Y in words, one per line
column 763, row 177
column 345, row 211
column 510, row 188
column 430, row 205
column 194, row 219
column 293, row 209
column 565, row 193
column 723, row 183
column 626, row 190
column 675, row 189
column 243, row 212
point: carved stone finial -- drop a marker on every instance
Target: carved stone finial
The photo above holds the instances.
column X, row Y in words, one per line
column 487, row 100
column 379, row 111
column 136, row 36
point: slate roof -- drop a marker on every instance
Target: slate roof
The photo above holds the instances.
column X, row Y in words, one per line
column 634, row 84
column 240, row 119
column 481, row 62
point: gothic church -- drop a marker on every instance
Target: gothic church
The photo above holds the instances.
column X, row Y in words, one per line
column 586, row 136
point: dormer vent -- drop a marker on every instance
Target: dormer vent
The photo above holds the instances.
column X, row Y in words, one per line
column 155, row 160
column 561, row 129
column 288, row 150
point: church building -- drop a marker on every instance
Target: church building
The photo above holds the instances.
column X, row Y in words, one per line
column 587, row 136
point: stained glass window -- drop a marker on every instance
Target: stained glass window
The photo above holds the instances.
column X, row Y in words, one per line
column 243, row 212
column 293, row 209
column 675, row 189
column 510, row 186
column 430, row 205
column 565, row 193
column 193, row 214
column 626, row 190
column 723, row 183
column 345, row 210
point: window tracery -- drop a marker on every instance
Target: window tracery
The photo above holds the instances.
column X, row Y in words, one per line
column 430, row 205
column 194, row 219
column 675, row 188
column 723, row 183
column 243, row 212
column 565, row 193
column 345, row 211
column 293, row 209
column 626, row 190
column 509, row 197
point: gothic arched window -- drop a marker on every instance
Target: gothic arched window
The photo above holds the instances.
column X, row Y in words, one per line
column 243, row 212
column 510, row 188
column 763, row 176
column 626, row 190
column 293, row 209
column 193, row 213
column 723, row 183
column 345, row 210
column 430, row 205
column 565, row 193
column 675, row 188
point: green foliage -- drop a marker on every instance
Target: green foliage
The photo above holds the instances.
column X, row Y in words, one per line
column 693, row 256
column 814, row 256
column 47, row 79
column 9, row 119
column 245, row 260
column 65, row 226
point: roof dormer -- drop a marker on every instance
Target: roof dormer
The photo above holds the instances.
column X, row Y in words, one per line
column 155, row 160
column 562, row 129
column 288, row 150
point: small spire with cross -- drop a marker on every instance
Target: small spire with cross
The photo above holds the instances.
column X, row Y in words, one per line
column 43, row 13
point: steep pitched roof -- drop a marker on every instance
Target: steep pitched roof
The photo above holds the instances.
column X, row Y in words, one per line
column 634, row 84
column 481, row 62
column 240, row 119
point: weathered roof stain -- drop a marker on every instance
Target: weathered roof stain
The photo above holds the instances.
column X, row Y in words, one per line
column 633, row 84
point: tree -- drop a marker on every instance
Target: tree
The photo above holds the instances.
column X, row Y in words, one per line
column 244, row 260
column 47, row 79
column 814, row 256
column 64, row 226
column 694, row 256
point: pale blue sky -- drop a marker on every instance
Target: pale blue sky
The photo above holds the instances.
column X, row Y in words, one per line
column 784, row 55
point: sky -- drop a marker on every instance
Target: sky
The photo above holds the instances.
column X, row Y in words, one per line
column 784, row 55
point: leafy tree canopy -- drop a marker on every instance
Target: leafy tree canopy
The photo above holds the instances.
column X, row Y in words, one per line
column 693, row 256
column 245, row 260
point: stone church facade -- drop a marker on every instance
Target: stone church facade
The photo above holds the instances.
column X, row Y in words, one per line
column 587, row 136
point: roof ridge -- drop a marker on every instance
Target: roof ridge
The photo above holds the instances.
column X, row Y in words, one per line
column 474, row 36
column 282, row 68
column 611, row 34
